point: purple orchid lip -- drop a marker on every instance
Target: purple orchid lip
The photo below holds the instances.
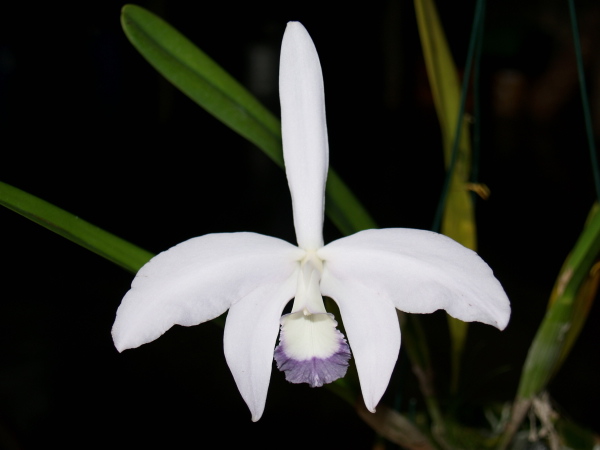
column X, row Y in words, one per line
column 315, row 371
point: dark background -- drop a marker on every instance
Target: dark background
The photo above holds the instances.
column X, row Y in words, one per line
column 88, row 125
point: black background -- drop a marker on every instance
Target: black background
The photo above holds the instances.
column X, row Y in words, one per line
column 88, row 125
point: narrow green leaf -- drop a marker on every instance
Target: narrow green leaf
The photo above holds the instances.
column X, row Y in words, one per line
column 200, row 78
column 458, row 220
column 582, row 304
column 107, row 245
column 569, row 305
column 343, row 208
column 444, row 81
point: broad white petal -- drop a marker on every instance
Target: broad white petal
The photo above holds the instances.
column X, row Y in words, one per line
column 372, row 329
column 419, row 272
column 249, row 339
column 304, row 131
column 197, row 281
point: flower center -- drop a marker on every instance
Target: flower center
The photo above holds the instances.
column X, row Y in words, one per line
column 311, row 349
column 308, row 293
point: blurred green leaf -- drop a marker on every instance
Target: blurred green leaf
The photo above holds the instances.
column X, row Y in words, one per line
column 343, row 208
column 107, row 245
column 395, row 427
column 414, row 342
column 459, row 218
column 570, row 301
column 584, row 297
column 196, row 75
column 574, row 436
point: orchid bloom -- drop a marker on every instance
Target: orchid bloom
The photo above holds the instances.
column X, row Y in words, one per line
column 368, row 274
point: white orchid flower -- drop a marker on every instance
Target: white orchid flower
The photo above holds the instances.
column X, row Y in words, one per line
column 368, row 274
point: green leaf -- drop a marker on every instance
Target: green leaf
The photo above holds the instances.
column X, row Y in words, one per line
column 569, row 305
column 570, row 302
column 459, row 217
column 575, row 436
column 107, row 245
column 200, row 78
column 343, row 208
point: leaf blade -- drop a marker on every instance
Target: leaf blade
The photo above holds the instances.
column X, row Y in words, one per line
column 199, row 77
column 117, row 250
column 569, row 305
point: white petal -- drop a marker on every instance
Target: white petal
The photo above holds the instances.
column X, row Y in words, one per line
column 419, row 272
column 372, row 329
column 197, row 281
column 249, row 339
column 304, row 131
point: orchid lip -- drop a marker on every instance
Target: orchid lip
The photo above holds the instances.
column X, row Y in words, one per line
column 311, row 350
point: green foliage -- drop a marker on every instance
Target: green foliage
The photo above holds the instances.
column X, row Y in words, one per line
column 570, row 302
column 105, row 244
